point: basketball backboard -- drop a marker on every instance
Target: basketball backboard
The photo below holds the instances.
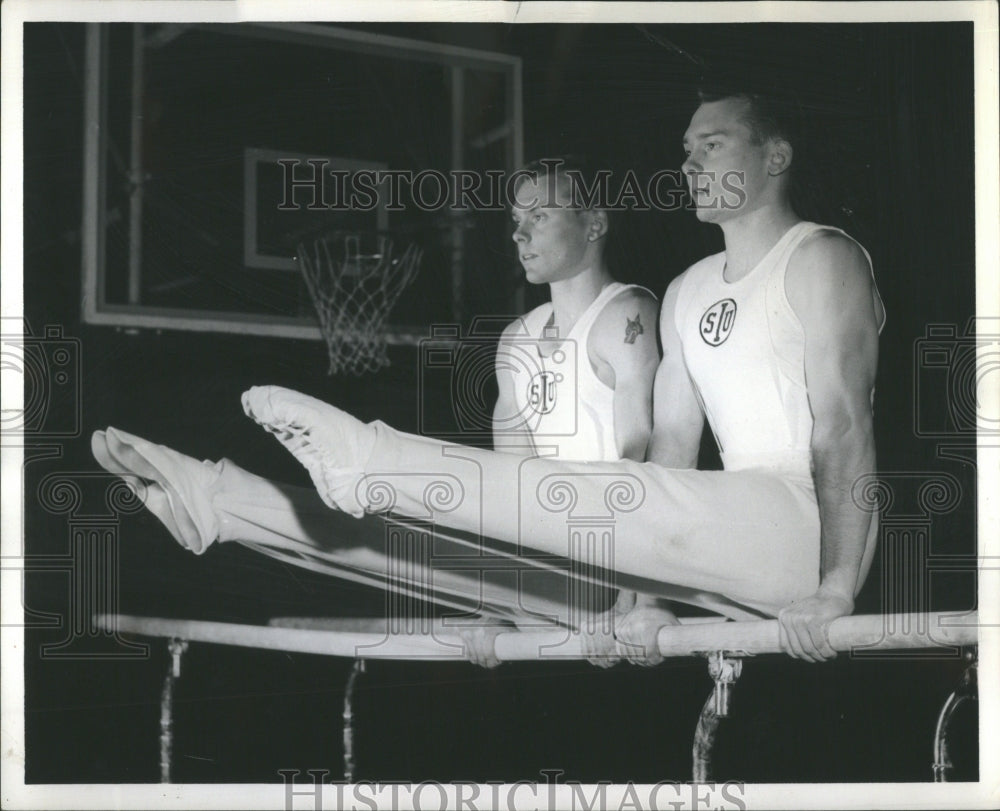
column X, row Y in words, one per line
column 212, row 150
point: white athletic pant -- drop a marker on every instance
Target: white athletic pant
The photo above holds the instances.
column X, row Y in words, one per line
column 751, row 535
column 202, row 503
column 736, row 542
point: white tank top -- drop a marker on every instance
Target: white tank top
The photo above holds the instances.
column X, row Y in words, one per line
column 563, row 402
column 744, row 348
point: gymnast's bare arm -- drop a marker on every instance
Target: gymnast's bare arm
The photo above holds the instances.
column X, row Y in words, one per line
column 677, row 415
column 623, row 352
column 509, row 436
column 672, row 437
column 830, row 289
column 509, row 433
column 676, row 437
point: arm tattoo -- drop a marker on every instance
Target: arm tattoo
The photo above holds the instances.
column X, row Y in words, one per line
column 633, row 329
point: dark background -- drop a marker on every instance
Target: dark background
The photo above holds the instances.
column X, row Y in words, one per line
column 890, row 108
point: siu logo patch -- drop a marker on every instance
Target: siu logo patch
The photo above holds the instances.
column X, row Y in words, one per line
column 717, row 322
column 542, row 391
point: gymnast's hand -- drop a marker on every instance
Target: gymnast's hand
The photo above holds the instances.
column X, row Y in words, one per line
column 804, row 625
column 479, row 642
column 639, row 630
column 597, row 640
column 597, row 633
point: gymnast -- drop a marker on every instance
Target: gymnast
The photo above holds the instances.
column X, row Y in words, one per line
column 595, row 405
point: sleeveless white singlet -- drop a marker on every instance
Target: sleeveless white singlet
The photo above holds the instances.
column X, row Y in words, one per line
column 559, row 398
column 744, row 348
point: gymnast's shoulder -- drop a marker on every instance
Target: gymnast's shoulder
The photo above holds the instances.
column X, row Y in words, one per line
column 520, row 327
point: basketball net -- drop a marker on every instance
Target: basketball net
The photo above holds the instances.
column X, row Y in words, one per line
column 354, row 279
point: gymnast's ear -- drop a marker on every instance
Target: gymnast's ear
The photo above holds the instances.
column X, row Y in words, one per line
column 780, row 157
column 598, row 225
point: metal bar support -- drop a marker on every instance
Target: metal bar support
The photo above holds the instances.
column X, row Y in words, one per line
column 177, row 647
column 724, row 668
column 352, row 679
column 967, row 690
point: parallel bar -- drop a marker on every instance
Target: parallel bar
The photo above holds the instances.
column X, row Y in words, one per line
column 867, row 632
column 872, row 632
